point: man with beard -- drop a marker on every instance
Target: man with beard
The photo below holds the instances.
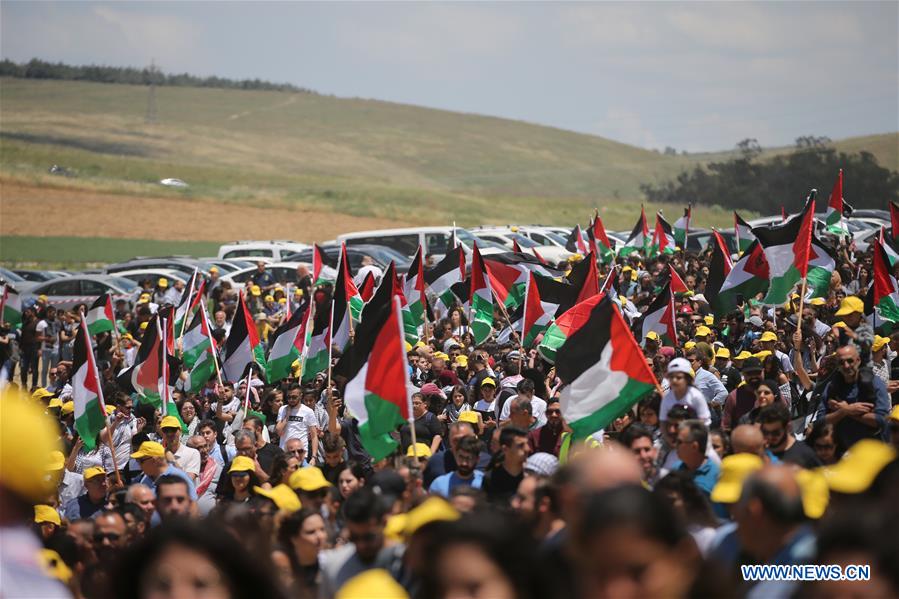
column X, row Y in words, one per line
column 742, row 399
column 466, row 454
column 537, row 505
column 548, row 438
column 109, row 535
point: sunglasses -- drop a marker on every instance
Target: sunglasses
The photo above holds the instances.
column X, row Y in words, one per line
column 99, row 537
column 554, row 411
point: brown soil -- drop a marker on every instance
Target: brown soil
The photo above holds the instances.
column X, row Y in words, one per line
column 31, row 210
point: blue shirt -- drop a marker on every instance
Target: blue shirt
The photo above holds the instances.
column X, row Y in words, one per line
column 171, row 470
column 444, row 484
column 711, row 387
column 849, row 430
column 705, row 476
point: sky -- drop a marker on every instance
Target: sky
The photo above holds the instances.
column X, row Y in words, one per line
column 695, row 76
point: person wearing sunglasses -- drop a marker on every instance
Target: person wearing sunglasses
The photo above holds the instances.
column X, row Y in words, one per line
column 109, row 534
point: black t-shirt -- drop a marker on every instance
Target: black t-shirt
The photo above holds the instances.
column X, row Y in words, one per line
column 266, row 456
column 799, row 454
column 730, row 378
column 500, row 486
column 426, row 428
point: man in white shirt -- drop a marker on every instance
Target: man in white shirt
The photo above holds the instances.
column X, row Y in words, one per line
column 368, row 266
column 525, row 389
column 227, row 410
column 187, row 458
column 296, row 421
column 124, row 426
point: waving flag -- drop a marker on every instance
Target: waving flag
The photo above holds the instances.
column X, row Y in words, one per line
column 481, row 299
column 153, row 366
column 10, row 307
column 662, row 238
column 564, row 325
column 201, row 350
column 414, row 291
column 536, row 319
column 821, row 264
column 190, row 299
column 677, row 283
column 604, row 371
column 659, row 316
column 347, row 304
column 287, row 346
column 584, row 278
column 508, row 274
column 575, row 242
column 322, row 272
column 787, row 252
column 446, row 273
column 682, row 228
column 748, row 277
column 601, row 244
column 317, row 342
column 743, row 233
column 884, row 292
column 837, row 209
column 100, row 317
column 242, row 347
column 639, row 239
column 87, row 392
column 368, row 287
column 719, row 267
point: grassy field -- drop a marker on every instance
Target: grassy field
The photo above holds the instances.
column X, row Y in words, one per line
column 68, row 252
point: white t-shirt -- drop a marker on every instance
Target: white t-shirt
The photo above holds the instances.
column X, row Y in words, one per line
column 538, row 407
column 188, row 459
column 299, row 420
column 692, row 398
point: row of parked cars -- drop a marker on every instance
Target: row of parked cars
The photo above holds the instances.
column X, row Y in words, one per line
column 236, row 261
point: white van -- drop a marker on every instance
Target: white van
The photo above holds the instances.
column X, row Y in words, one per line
column 275, row 250
column 435, row 240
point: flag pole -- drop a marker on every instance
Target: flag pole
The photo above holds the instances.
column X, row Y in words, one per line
column 190, row 294
column 215, row 360
column 331, row 345
column 524, row 321
column 93, row 364
column 398, row 310
column 246, row 400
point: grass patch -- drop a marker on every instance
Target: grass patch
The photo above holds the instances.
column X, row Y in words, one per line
column 75, row 252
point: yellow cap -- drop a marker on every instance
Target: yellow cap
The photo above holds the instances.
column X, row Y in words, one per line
column 894, row 413
column 282, row 300
column 840, row 325
column 27, row 436
column 815, row 494
column 55, row 402
column 149, row 449
column 67, row 408
column 110, row 410
column 421, row 449
column 743, row 355
column 42, row 298
column 57, row 461
column 468, row 416
column 488, row 382
column 408, row 346
column 850, row 305
column 432, row 509
column 41, row 393
column 709, row 320
column 46, row 513
column 702, row 331
column 163, row 282
column 372, row 584
column 461, row 361
column 652, row 336
column 283, row 496
column 859, row 466
column 170, row 422
column 256, row 290
column 269, row 298
column 143, row 326
column 94, row 472
column 689, row 345
column 308, row 479
column 722, row 352
column 54, row 566
column 441, row 355
column 213, row 269
column 762, row 354
column 817, row 301
column 879, row 342
column 242, row 464
column 298, row 292
column 734, row 470
column 768, row 336
column 395, row 527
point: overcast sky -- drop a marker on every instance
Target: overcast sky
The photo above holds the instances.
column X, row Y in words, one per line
column 696, row 76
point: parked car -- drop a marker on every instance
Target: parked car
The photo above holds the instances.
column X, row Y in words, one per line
column 226, row 266
column 12, row 278
column 508, row 236
column 275, row 249
column 66, row 293
column 39, row 276
column 154, row 274
column 184, row 264
column 435, row 240
column 381, row 255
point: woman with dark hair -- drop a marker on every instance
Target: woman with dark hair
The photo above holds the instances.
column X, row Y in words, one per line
column 766, row 393
column 691, row 505
column 186, row 558
column 773, row 370
column 271, row 403
column 825, row 443
column 190, row 411
column 459, row 322
column 457, row 404
column 350, row 478
column 301, row 537
column 282, row 467
column 237, row 487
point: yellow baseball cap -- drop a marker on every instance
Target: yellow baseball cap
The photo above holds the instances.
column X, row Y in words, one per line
column 702, row 331
column 269, row 298
column 652, row 336
column 256, row 290
column 762, row 354
column 213, row 269
column 461, row 361
column 170, row 422
column 41, row 393
column 722, row 352
column 709, row 320
column 308, row 479
column 743, row 355
column 840, row 325
column 149, row 449
column 469, row 416
column 689, row 345
column 441, row 355
column 57, row 461
column 894, row 413
column 67, row 408
column 432, row 509
column 282, row 300
column 376, row 583
column 488, row 382
column 817, row 301
column 421, row 449
column 55, row 402
column 42, row 298
column 94, row 472
column 768, row 336
column 734, row 470
column 879, row 342
column 850, row 305
column 24, row 425
column 283, row 496
column 298, row 292
column 815, row 494
column 46, row 513
column 242, row 464
column 163, row 282
column 859, row 466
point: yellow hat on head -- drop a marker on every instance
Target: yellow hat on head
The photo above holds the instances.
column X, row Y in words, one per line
column 817, row 301
column 461, row 360
column 743, row 355
column 27, row 436
column 283, row 496
column 150, row 449
column 488, row 382
column 433, row 509
column 42, row 298
column 768, row 336
column 213, row 269
column 170, row 422
column 55, row 402
column 762, row 354
column 815, row 494
column 722, row 352
column 67, row 408
column 879, row 343
column 308, row 479
column 163, row 282
column 110, row 410
column 282, row 300
column 840, row 325
column 372, row 584
column 689, row 345
column 653, row 336
column 41, row 393
column 242, row 464
column 269, row 298
column 256, row 290
column 702, row 331
column 54, row 566
column 408, row 346
column 851, row 305
column 734, row 470
column 421, row 449
column 57, row 461
column 298, row 292
column 709, row 320
column 46, row 513
column 94, row 472
column 859, row 467
column 469, row 417
column 441, row 355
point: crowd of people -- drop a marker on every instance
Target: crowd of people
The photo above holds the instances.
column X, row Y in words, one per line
column 772, row 440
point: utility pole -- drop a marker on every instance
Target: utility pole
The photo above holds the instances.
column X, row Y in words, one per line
column 151, row 117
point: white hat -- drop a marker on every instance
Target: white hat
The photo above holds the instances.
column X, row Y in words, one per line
column 680, row 365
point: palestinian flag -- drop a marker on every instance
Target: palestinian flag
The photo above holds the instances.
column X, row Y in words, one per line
column 242, row 347
column 662, row 238
column 100, row 317
column 410, row 324
column 787, row 252
column 143, row 377
column 559, row 331
column 346, row 305
column 584, row 278
column 639, row 238
column 748, row 277
column 601, row 244
column 575, row 242
column 888, row 247
column 719, row 267
column 414, row 291
column 508, row 274
column 196, row 341
column 677, row 283
column 682, row 228
column 884, row 292
column 462, row 293
column 481, row 299
column 821, row 264
column 836, row 210
column 286, row 347
column 10, row 307
column 537, row 255
column 446, row 273
column 190, row 298
column 536, row 318
column 317, row 343
column 743, row 233
column 604, row 371
column 322, row 272
column 515, row 247
column 87, row 392
column 894, row 221
column 660, row 317
column 377, row 392
column 203, row 366
column 368, row 287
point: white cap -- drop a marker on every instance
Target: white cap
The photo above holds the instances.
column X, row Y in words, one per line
column 680, row 365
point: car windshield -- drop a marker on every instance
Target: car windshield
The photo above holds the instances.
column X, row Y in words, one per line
column 556, row 237
column 467, row 239
column 10, row 276
column 525, row 242
column 126, row 285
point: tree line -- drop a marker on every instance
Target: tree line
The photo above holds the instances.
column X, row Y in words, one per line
column 41, row 69
column 764, row 185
